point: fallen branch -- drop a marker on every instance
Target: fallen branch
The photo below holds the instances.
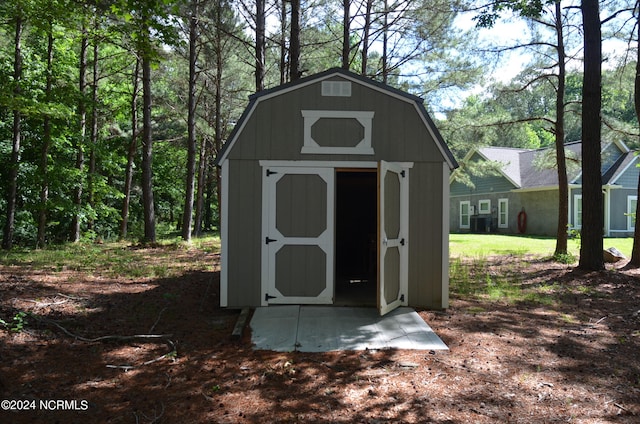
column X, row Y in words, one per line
column 623, row 408
column 172, row 352
column 102, row 338
column 157, row 321
column 600, row 320
column 70, row 297
column 44, row 305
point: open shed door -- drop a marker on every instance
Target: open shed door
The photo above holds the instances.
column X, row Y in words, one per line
column 393, row 241
column 298, row 234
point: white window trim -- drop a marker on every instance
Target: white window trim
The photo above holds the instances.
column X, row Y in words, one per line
column 484, row 206
column 630, row 219
column 577, row 197
column 362, row 148
column 503, row 203
column 468, row 225
column 336, row 88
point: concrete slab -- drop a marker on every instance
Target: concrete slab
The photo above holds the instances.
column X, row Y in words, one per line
column 329, row 328
column 275, row 328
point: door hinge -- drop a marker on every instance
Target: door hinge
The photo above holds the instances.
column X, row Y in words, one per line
column 267, row 297
column 270, row 172
column 268, row 240
column 402, row 298
column 402, row 173
column 402, row 242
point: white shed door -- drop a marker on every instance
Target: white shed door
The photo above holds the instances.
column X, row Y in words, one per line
column 298, row 234
column 393, row 241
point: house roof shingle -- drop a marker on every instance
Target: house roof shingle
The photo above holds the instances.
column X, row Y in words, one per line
column 529, row 168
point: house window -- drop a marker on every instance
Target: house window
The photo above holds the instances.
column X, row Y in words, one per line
column 632, row 202
column 465, row 216
column 484, row 206
column 577, row 211
column 503, row 213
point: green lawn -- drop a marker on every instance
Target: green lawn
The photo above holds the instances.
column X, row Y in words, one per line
column 478, row 245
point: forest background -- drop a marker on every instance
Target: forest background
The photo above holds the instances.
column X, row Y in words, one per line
column 112, row 111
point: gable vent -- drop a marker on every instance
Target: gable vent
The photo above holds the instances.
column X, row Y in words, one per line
column 336, row 88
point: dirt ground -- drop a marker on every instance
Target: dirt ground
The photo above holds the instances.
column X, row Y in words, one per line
column 574, row 359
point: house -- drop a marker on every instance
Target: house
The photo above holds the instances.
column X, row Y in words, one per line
column 335, row 191
column 523, row 196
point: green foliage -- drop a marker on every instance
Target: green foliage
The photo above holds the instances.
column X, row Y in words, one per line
column 17, row 323
column 427, row 55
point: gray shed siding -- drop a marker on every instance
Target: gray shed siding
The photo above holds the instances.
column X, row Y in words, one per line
column 427, row 230
column 274, row 130
column 244, row 225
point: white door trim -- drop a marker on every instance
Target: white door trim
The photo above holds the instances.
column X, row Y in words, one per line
column 270, row 232
column 401, row 242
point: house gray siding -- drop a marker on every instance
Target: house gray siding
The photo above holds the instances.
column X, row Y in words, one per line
column 629, row 179
column 540, row 206
column 609, row 156
column 542, row 212
column 485, row 184
column 618, row 212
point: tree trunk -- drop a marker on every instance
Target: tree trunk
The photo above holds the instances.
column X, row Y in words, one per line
column 294, row 41
column 82, row 117
column 346, row 30
column 147, row 145
column 12, row 192
column 218, row 125
column 46, row 144
column 385, row 43
column 131, row 154
column 561, row 160
column 260, row 44
column 187, row 217
column 94, row 131
column 593, row 211
column 202, row 167
column 365, row 37
column 635, row 253
column 283, row 42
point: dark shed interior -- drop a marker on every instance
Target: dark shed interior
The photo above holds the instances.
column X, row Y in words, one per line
column 356, row 234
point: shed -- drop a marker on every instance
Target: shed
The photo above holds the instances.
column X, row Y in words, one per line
column 335, row 190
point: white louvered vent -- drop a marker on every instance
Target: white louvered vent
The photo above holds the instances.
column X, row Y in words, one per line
column 336, row 88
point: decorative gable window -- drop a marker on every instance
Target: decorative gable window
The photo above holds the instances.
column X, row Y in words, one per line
column 321, row 137
column 484, row 206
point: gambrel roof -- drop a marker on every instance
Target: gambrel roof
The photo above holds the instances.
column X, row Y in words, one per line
column 417, row 102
